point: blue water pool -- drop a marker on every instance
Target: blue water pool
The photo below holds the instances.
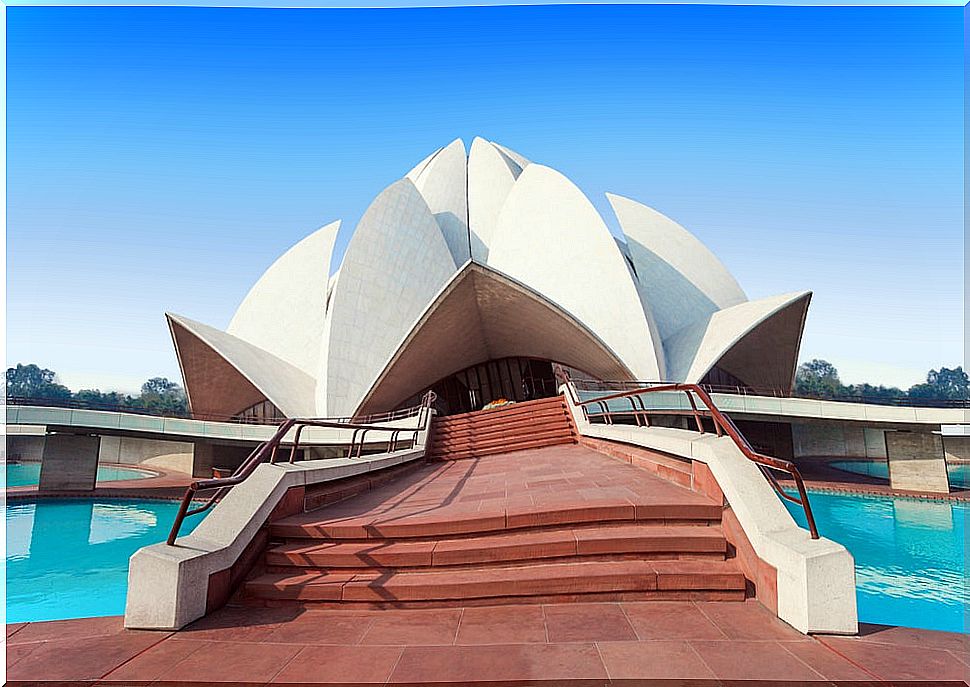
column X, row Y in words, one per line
column 910, row 556
column 28, row 474
column 959, row 472
column 68, row 558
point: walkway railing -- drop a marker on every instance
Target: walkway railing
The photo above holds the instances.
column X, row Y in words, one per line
column 73, row 404
column 268, row 450
column 908, row 401
column 723, row 425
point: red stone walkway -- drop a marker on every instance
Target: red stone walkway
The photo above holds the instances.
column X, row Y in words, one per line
column 564, row 644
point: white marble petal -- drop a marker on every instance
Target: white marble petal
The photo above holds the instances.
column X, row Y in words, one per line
column 550, row 238
column 491, row 175
column 762, row 338
column 520, row 160
column 286, row 386
column 395, row 264
column 680, row 278
column 283, row 313
column 442, row 183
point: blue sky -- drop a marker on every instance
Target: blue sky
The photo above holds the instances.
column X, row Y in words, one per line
column 161, row 158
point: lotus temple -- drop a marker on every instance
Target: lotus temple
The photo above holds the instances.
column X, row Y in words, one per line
column 493, row 441
column 470, row 276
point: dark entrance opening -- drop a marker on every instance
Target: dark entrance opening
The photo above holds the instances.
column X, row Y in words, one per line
column 513, row 379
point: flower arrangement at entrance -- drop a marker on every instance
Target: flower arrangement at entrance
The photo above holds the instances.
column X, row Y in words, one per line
column 498, row 403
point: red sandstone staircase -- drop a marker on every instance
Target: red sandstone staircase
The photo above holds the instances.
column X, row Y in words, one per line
column 443, row 539
column 517, row 427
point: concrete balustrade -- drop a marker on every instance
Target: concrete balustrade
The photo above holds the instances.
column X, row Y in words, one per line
column 171, row 586
column 815, row 578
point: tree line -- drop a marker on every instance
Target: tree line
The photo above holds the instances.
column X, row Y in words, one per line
column 819, row 379
column 159, row 395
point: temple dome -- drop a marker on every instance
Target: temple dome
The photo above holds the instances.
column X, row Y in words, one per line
column 481, row 256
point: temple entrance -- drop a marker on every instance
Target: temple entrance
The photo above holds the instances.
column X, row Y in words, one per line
column 514, row 379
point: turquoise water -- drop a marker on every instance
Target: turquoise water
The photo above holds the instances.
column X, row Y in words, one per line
column 28, row 474
column 959, row 472
column 910, row 556
column 68, row 558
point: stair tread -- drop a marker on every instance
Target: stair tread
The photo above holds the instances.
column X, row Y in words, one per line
column 520, row 580
column 511, row 446
column 503, row 517
column 520, row 406
column 501, row 547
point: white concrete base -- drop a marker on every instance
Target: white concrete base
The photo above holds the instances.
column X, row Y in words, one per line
column 167, row 585
column 816, row 577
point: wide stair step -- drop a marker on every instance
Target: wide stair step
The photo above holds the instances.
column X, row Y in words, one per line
column 312, row 526
column 517, row 427
column 540, row 581
column 556, row 526
column 641, row 540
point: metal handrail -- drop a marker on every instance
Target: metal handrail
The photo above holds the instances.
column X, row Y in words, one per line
column 204, row 417
column 894, row 401
column 722, row 425
column 268, row 449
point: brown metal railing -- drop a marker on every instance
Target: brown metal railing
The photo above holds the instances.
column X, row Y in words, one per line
column 723, row 425
column 909, row 401
column 267, row 452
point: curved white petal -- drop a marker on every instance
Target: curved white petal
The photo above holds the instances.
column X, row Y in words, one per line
column 441, row 181
column 550, row 238
column 518, row 159
column 755, row 341
column 491, row 175
column 224, row 374
column 284, row 311
column 681, row 279
column 482, row 315
column 421, row 166
column 395, row 264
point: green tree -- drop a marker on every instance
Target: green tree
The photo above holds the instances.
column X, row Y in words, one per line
column 95, row 398
column 818, row 379
column 163, row 396
column 944, row 384
column 866, row 391
column 31, row 381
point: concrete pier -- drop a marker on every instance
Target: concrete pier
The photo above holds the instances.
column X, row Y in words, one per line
column 917, row 462
column 70, row 462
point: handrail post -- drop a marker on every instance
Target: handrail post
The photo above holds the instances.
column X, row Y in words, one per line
column 180, row 516
column 693, row 405
column 803, row 495
column 633, row 405
column 360, row 446
column 296, row 443
column 353, row 443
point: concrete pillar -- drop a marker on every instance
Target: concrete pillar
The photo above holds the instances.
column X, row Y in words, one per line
column 875, row 443
column 203, row 459
column 957, row 448
column 917, row 461
column 70, row 461
column 25, row 448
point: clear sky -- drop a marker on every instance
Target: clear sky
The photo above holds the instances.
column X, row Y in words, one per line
column 161, row 158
